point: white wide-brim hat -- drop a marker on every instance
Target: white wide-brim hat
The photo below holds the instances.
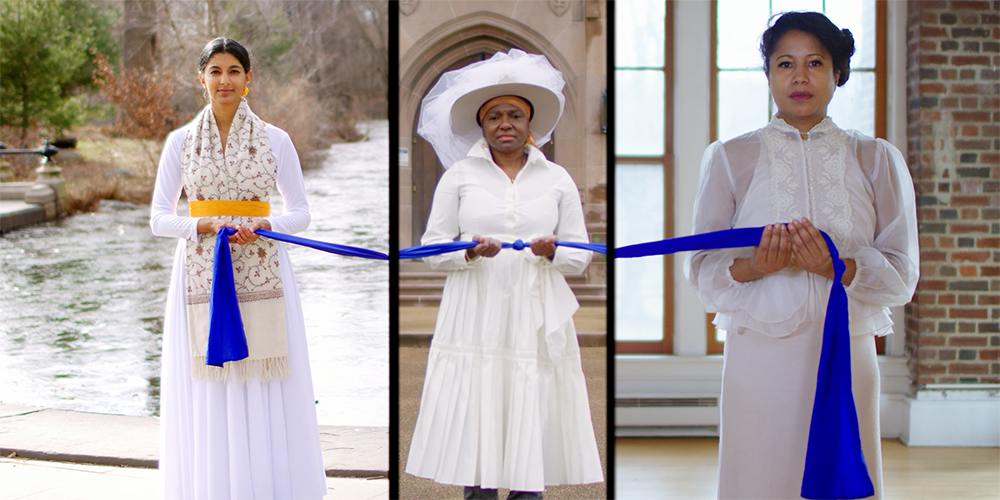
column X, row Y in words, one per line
column 448, row 111
column 545, row 105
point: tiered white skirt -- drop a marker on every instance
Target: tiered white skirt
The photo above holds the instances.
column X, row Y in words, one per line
column 768, row 387
column 227, row 440
column 496, row 410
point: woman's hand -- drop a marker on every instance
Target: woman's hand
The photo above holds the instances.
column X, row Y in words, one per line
column 213, row 226
column 246, row 234
column 812, row 253
column 487, row 247
column 772, row 254
column 544, row 246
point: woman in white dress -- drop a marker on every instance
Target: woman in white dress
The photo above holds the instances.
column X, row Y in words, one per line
column 799, row 173
column 247, row 429
column 504, row 402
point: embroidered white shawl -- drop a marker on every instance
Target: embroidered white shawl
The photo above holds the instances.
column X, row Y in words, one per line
column 245, row 172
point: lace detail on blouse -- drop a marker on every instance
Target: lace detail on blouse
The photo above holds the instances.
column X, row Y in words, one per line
column 833, row 202
column 784, row 183
column 815, row 166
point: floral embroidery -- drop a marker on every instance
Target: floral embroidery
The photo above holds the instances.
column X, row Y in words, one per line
column 244, row 172
column 807, row 177
column 784, row 184
column 834, row 204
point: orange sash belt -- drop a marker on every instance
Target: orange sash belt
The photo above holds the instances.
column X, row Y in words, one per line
column 214, row 208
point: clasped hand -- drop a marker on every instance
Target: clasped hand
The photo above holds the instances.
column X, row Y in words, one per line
column 544, row 246
column 779, row 243
column 244, row 234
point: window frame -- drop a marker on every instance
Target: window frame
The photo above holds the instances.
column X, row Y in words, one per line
column 666, row 344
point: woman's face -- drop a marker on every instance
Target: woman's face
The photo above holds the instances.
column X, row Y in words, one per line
column 802, row 79
column 224, row 78
column 505, row 128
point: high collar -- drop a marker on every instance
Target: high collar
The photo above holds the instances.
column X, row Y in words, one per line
column 819, row 130
column 482, row 150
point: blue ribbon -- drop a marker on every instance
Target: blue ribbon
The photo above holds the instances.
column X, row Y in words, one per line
column 226, row 339
column 453, row 246
column 835, row 465
column 346, row 250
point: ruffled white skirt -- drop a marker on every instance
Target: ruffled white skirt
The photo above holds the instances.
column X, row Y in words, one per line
column 227, row 440
column 496, row 410
column 768, row 387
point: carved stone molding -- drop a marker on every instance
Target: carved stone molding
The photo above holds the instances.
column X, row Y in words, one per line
column 408, row 6
column 559, row 7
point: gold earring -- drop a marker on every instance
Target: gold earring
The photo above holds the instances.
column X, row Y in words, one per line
column 246, row 90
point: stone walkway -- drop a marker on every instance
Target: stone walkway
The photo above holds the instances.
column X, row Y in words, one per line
column 59, row 454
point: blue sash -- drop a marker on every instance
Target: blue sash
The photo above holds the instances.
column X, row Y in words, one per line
column 226, row 339
column 452, row 246
column 835, row 464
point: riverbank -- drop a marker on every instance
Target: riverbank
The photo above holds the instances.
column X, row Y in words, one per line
column 34, row 433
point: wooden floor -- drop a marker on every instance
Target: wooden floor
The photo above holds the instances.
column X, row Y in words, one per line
column 686, row 468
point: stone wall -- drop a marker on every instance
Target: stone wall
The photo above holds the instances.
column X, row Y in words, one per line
column 954, row 157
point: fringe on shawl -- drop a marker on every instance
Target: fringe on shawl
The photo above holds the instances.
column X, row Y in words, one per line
column 243, row 370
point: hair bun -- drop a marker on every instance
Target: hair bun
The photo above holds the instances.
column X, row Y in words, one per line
column 848, row 42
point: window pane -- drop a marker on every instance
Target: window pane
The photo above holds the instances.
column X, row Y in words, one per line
column 639, row 212
column 639, row 113
column 743, row 101
column 853, row 105
column 740, row 24
column 859, row 17
column 639, row 32
column 779, row 6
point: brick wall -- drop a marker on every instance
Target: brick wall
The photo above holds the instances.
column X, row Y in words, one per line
column 952, row 333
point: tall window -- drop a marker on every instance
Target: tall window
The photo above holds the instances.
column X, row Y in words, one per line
column 741, row 101
column 643, row 173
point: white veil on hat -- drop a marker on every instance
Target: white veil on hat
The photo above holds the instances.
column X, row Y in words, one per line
column 529, row 76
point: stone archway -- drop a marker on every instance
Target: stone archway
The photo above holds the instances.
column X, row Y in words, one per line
column 454, row 44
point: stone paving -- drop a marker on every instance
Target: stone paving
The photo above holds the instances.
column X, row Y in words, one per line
column 44, row 480
column 60, row 454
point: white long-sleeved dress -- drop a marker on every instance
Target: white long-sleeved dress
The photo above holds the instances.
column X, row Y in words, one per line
column 504, row 402
column 858, row 190
column 230, row 440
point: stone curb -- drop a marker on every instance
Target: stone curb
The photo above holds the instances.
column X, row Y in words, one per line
column 118, row 440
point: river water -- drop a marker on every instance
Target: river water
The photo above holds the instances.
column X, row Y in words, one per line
column 82, row 299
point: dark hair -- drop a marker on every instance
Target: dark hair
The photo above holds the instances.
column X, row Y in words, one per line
column 839, row 43
column 228, row 45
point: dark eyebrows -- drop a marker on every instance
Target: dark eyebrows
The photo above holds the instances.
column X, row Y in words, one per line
column 817, row 54
column 216, row 66
column 497, row 112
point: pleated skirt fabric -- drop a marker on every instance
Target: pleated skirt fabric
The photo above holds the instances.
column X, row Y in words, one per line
column 495, row 410
column 229, row 440
column 768, row 386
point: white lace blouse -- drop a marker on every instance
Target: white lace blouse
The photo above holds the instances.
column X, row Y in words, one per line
column 854, row 187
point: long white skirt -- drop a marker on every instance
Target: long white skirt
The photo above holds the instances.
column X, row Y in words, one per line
column 768, row 387
column 227, row 440
column 496, row 411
